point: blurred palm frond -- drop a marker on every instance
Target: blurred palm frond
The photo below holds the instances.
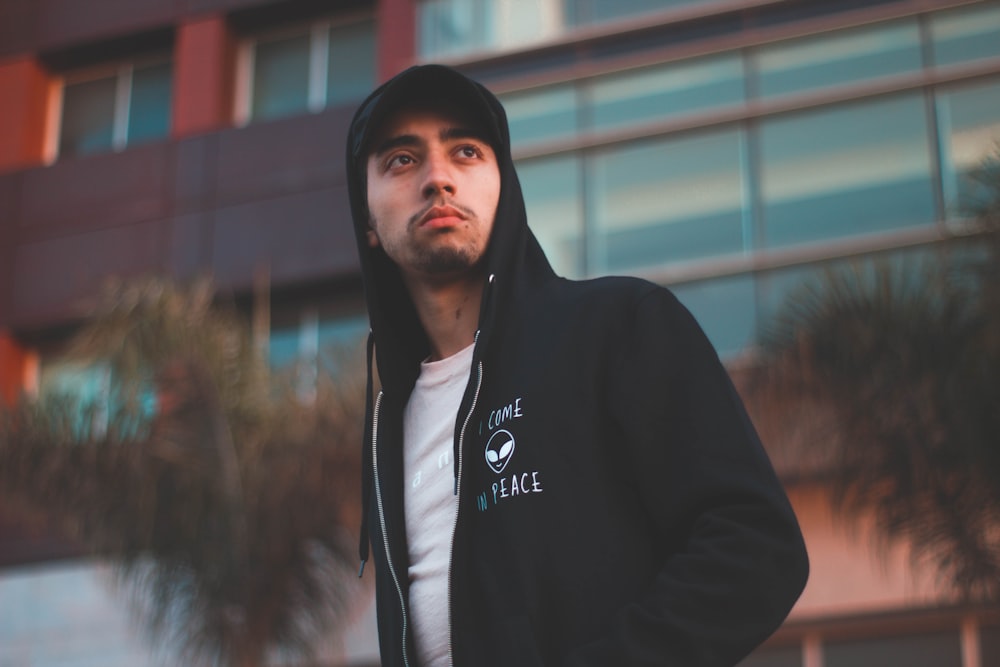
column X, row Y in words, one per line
column 223, row 499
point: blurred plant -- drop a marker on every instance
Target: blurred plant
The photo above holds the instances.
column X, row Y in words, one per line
column 906, row 361
column 220, row 496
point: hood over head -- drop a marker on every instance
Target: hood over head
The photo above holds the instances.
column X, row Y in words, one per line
column 513, row 255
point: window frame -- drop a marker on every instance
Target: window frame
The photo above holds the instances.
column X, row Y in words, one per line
column 122, row 71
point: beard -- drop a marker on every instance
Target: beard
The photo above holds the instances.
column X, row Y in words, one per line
column 443, row 260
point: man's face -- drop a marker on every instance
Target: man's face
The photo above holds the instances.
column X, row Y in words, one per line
column 433, row 190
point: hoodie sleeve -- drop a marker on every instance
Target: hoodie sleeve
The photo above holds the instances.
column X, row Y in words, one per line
column 734, row 560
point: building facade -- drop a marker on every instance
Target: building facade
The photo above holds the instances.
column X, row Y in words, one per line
column 730, row 149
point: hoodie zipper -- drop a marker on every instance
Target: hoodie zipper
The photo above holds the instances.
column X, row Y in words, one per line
column 381, row 519
column 458, row 499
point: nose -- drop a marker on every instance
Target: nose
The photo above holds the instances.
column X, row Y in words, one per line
column 439, row 178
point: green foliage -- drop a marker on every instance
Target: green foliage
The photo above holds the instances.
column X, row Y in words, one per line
column 226, row 508
column 907, row 357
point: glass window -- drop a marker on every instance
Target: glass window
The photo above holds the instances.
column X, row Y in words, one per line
column 582, row 12
column 450, row 27
column 970, row 132
column 351, row 69
column 666, row 200
column 926, row 650
column 654, row 93
column 129, row 104
column 778, row 288
column 454, row 27
column 544, row 114
column 88, row 116
column 93, row 399
column 281, row 76
column 315, row 343
column 340, row 339
column 724, row 307
column 283, row 347
column 846, row 170
column 966, row 34
column 788, row 656
column 316, row 66
column 849, row 56
column 149, row 111
column 554, row 203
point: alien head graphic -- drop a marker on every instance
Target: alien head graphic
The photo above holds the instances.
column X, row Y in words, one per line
column 499, row 450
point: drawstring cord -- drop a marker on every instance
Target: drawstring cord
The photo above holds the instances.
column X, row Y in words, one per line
column 367, row 471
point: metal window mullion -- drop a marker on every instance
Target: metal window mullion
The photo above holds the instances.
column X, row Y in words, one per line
column 595, row 245
column 246, row 59
column 969, row 642
column 812, row 651
column 101, row 418
column 936, row 139
column 589, row 261
column 319, row 65
column 308, row 356
column 123, row 101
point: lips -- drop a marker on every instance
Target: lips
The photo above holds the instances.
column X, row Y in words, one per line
column 440, row 216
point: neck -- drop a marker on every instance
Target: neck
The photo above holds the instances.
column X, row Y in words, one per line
column 449, row 313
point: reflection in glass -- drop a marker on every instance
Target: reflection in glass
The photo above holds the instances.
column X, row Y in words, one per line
column 661, row 91
column 554, row 203
column 351, row 70
column 725, row 309
column 455, row 27
column 969, row 117
column 966, row 34
column 776, row 288
column 544, row 114
column 88, row 117
column 583, row 12
column 669, row 200
column 149, row 111
column 848, row 56
column 281, row 77
column 846, row 170
column 451, row 27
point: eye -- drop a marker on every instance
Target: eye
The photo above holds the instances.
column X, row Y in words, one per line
column 469, row 151
column 399, row 160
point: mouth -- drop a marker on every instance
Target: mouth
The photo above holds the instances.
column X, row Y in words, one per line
column 441, row 216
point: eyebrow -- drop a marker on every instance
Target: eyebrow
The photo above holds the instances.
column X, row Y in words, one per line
column 446, row 134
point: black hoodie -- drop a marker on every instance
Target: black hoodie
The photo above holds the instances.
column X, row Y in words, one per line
column 615, row 506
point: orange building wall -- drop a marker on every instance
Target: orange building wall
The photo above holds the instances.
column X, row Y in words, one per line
column 24, row 99
column 204, row 56
column 15, row 364
column 850, row 573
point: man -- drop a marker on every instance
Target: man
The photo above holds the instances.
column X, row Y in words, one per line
column 556, row 473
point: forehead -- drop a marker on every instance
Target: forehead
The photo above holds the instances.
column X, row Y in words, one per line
column 425, row 119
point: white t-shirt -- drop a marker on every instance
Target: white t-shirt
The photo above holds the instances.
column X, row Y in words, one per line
column 429, row 500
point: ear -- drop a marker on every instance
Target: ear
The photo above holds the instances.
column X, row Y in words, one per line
column 372, row 238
